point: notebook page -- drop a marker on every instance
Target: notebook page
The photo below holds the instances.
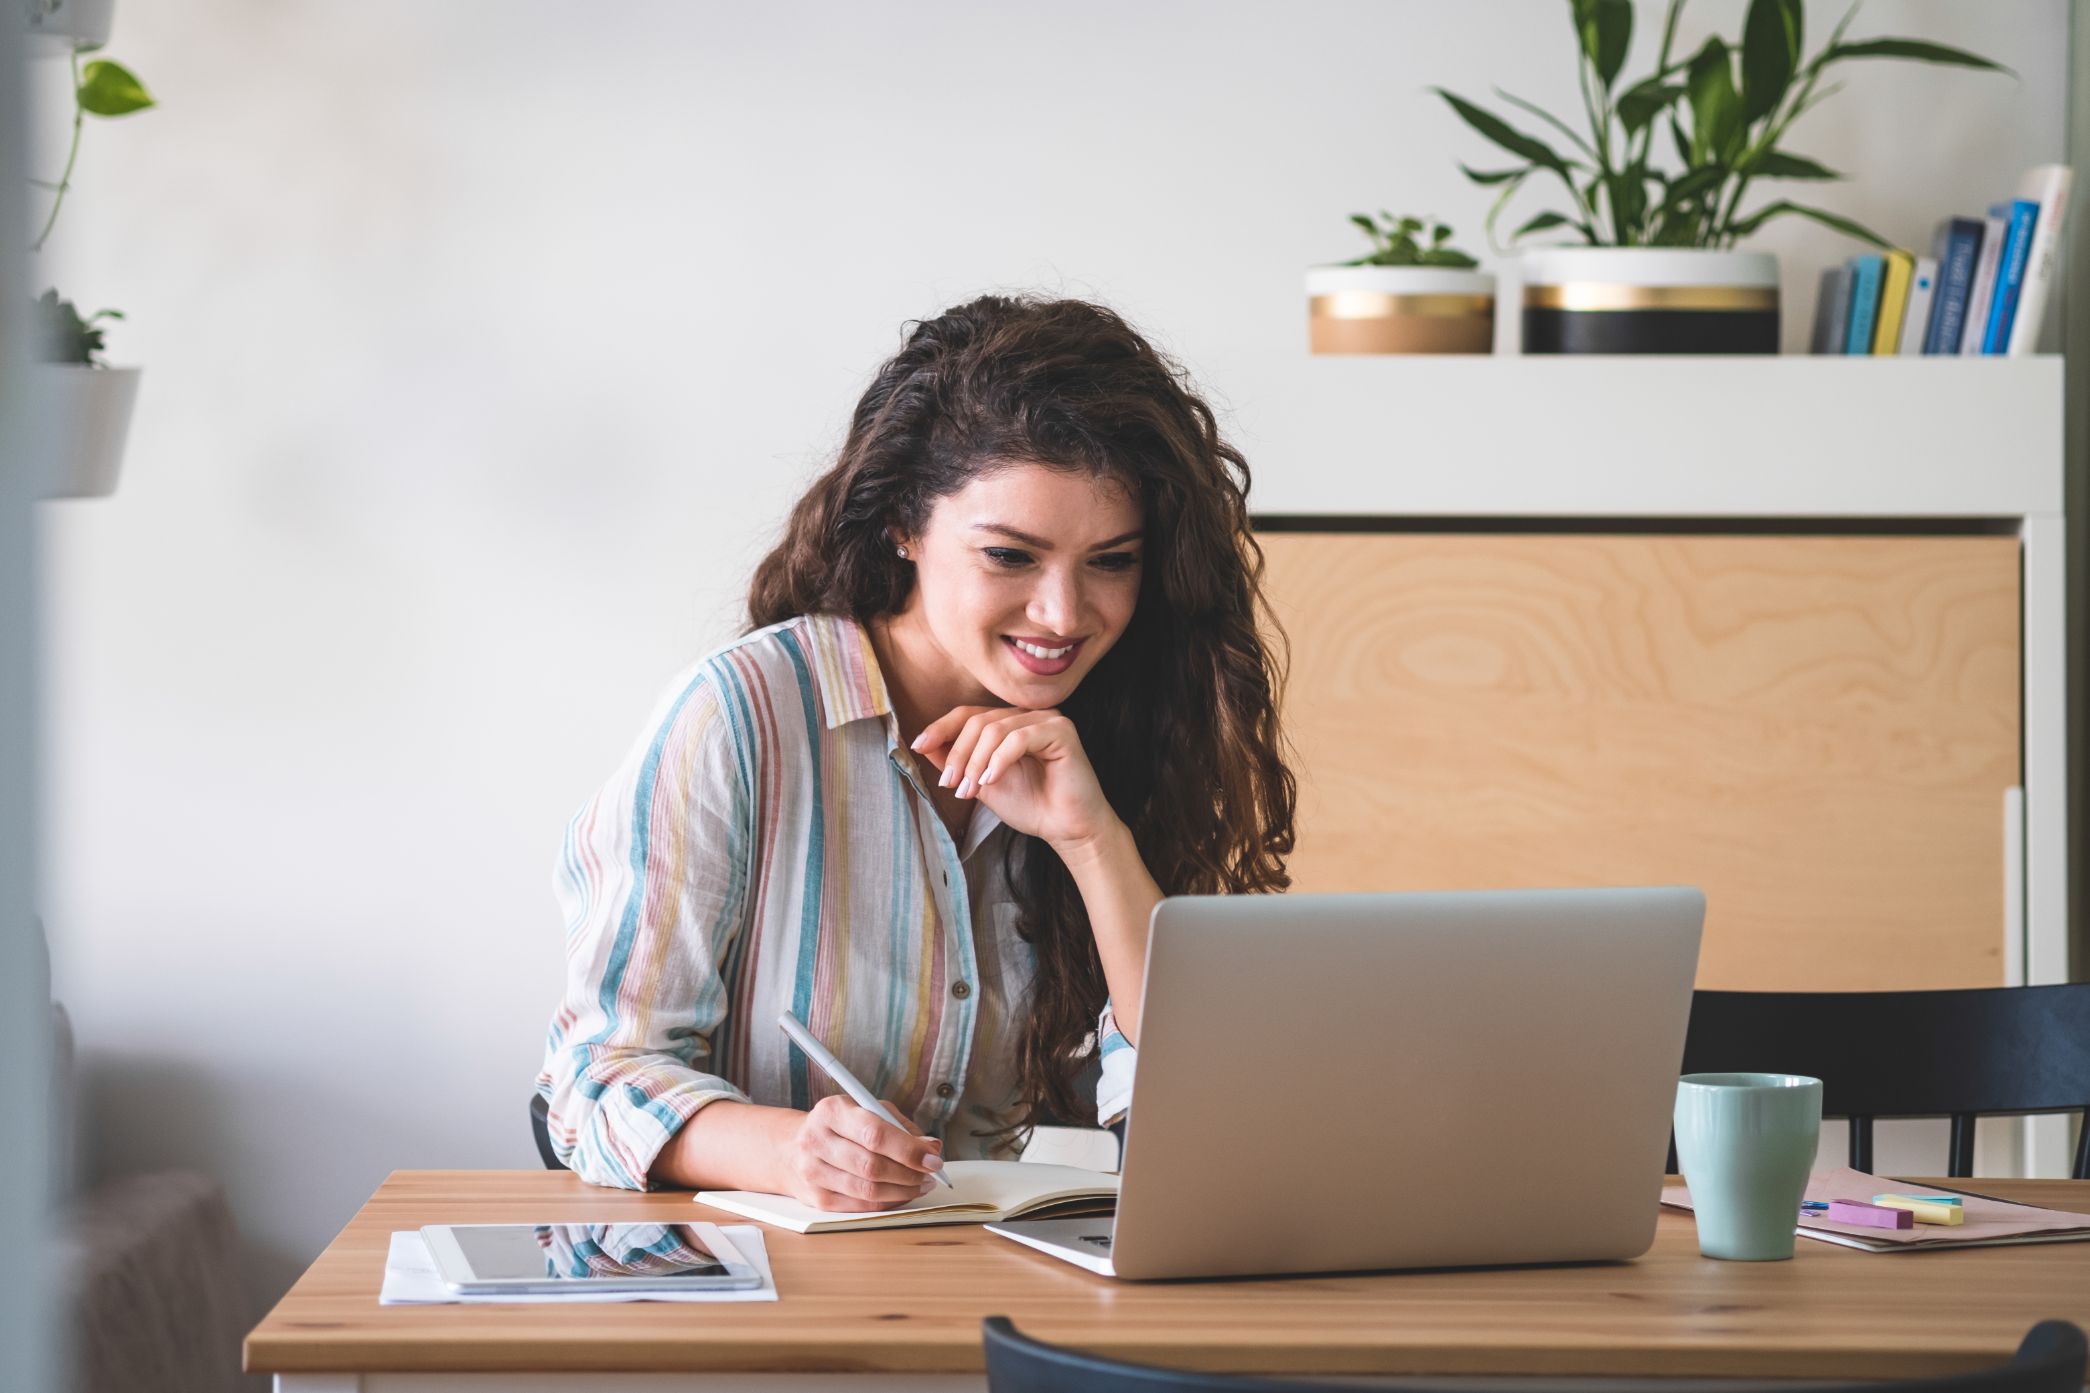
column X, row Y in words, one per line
column 980, row 1190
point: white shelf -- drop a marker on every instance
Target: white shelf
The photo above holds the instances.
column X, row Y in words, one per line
column 1657, row 437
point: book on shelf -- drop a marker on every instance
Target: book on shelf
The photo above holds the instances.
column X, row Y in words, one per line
column 1984, row 288
column 1832, row 309
column 2048, row 186
column 1981, row 298
column 2010, row 274
column 1866, row 274
column 1958, row 250
column 1915, row 320
column 1894, row 298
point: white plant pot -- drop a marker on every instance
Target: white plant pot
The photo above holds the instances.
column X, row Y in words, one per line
column 62, row 26
column 1400, row 309
column 1649, row 300
column 87, row 414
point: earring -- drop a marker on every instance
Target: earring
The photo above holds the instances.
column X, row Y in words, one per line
column 902, row 552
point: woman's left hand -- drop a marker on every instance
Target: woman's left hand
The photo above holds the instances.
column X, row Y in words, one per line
column 1027, row 766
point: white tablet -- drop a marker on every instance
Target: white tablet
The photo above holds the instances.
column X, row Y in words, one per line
column 561, row 1259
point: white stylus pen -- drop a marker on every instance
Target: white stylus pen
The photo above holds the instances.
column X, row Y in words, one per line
column 832, row 1067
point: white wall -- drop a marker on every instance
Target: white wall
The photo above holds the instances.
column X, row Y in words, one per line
column 486, row 343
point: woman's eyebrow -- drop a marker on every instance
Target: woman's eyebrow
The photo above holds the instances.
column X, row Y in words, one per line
column 1041, row 544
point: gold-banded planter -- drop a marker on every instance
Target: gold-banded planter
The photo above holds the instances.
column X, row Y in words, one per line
column 1649, row 300
column 1399, row 309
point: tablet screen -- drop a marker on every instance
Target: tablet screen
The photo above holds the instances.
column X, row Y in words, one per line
column 584, row 1252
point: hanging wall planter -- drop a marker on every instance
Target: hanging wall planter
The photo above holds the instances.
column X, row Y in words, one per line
column 88, row 415
column 71, row 24
column 1649, row 300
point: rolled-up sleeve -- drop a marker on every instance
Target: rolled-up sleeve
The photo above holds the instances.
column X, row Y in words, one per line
column 653, row 882
column 1118, row 1060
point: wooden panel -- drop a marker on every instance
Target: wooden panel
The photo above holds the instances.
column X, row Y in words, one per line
column 911, row 1300
column 1816, row 730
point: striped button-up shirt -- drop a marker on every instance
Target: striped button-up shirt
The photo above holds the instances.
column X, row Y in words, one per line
column 769, row 845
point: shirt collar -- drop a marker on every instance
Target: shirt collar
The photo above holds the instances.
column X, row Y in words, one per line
column 845, row 669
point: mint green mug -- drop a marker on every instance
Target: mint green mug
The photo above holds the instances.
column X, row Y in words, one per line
column 1746, row 1143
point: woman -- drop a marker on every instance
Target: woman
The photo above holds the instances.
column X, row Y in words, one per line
column 1004, row 687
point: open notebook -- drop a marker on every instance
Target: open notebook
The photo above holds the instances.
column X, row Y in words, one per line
column 981, row 1192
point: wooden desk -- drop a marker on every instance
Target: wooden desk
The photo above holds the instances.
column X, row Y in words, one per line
column 907, row 1303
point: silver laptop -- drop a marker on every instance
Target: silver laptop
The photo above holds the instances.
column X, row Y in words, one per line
column 1346, row 1082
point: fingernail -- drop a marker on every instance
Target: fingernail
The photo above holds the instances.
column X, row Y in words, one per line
column 949, row 773
column 932, row 1162
column 988, row 777
column 965, row 789
column 916, row 743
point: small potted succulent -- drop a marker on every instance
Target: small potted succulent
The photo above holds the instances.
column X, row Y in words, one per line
column 1406, row 295
column 87, row 402
column 1656, row 269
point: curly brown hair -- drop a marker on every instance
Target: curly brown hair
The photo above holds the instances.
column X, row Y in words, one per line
column 1179, row 718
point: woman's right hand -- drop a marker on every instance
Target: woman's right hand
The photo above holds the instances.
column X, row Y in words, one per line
column 844, row 1157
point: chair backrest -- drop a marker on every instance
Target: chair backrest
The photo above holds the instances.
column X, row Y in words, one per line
column 541, row 1130
column 1954, row 1054
column 2050, row 1359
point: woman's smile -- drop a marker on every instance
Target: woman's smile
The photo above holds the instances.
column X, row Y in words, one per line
column 1043, row 657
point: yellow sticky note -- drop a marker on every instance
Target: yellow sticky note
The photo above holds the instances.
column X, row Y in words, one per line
column 1926, row 1211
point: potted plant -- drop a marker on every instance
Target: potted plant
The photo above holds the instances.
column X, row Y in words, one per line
column 88, row 402
column 76, row 24
column 1404, row 296
column 1657, row 270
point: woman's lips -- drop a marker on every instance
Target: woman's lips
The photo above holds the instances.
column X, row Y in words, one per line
column 1044, row 667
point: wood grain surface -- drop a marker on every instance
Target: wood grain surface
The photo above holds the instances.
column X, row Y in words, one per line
column 912, row 1300
column 1816, row 730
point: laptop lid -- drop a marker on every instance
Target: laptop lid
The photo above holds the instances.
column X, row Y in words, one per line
column 1346, row 1082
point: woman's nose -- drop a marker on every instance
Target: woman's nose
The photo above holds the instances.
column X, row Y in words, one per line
column 1056, row 604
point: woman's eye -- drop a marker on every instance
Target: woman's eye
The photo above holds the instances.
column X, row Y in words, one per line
column 1008, row 556
column 1117, row 560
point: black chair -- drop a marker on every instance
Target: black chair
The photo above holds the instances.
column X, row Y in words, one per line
column 1957, row 1054
column 540, row 1128
column 2050, row 1360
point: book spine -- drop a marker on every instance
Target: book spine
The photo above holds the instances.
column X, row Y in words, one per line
column 2010, row 275
column 1894, row 299
column 1832, row 307
column 1958, row 250
column 1923, row 289
column 1866, row 274
column 2048, row 186
column 1982, row 297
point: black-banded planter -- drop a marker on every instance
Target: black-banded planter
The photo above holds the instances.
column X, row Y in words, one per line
column 1649, row 300
column 1399, row 309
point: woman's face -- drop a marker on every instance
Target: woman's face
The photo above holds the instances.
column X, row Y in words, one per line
column 1024, row 579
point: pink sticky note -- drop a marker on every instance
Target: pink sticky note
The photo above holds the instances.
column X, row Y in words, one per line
column 1873, row 1216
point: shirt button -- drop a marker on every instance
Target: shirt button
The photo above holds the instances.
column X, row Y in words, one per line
column 961, row 989
column 947, row 877
column 944, row 1090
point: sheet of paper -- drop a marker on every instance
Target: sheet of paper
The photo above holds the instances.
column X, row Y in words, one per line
column 411, row 1278
column 1987, row 1221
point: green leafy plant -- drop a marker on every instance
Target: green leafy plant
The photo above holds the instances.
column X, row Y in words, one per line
column 100, row 88
column 1394, row 244
column 1725, row 109
column 62, row 336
